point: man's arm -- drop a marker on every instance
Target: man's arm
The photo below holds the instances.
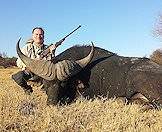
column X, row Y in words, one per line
column 49, row 52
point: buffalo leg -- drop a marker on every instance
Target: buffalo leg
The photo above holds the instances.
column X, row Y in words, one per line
column 52, row 93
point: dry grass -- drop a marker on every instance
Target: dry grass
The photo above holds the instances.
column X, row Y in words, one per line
column 20, row 112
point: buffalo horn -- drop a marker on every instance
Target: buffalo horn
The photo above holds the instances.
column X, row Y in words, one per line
column 50, row 71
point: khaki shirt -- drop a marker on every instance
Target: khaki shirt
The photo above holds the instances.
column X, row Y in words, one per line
column 32, row 51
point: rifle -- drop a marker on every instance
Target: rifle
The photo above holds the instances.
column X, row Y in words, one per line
column 46, row 51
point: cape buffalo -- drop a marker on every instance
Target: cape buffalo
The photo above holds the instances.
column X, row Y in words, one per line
column 107, row 74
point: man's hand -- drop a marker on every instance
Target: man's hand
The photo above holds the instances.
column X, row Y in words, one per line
column 52, row 48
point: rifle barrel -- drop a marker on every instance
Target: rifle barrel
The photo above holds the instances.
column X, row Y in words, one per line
column 72, row 32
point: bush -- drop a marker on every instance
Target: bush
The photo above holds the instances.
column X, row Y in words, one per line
column 7, row 62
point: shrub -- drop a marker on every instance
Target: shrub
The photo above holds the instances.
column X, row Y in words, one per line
column 7, row 62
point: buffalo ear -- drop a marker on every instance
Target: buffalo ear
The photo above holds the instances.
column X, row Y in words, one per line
column 80, row 87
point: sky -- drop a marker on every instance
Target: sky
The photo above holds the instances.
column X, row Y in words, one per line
column 124, row 27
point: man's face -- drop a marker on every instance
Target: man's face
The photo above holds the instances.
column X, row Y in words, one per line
column 38, row 36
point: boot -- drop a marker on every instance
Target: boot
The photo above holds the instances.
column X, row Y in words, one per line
column 21, row 79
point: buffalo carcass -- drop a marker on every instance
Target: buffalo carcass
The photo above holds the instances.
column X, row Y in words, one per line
column 107, row 74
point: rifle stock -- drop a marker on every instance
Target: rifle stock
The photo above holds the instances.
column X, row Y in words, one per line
column 47, row 50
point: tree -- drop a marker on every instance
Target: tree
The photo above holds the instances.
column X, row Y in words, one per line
column 158, row 27
column 3, row 55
